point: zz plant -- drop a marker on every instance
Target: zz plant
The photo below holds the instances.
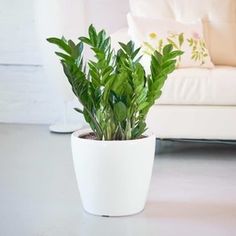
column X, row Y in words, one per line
column 115, row 91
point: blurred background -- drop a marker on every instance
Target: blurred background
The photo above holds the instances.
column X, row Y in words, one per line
column 28, row 93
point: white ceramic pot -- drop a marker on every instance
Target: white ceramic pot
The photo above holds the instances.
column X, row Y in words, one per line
column 113, row 176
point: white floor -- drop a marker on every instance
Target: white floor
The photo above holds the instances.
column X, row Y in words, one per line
column 192, row 193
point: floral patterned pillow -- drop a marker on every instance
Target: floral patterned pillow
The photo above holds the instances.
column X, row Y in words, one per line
column 152, row 34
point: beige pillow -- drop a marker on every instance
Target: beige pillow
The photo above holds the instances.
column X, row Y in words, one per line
column 221, row 37
column 153, row 34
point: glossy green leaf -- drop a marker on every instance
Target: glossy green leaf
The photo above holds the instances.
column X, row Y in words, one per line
column 60, row 43
column 120, row 111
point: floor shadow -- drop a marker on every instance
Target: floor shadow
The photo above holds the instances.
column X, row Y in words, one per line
column 199, row 148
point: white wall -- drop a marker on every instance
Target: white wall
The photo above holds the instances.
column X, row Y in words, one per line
column 107, row 14
column 26, row 95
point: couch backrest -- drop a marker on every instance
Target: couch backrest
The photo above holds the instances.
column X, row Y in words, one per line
column 219, row 19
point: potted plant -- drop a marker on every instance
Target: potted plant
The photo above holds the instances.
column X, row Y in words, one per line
column 113, row 160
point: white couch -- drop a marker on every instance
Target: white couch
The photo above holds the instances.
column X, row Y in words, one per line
column 196, row 103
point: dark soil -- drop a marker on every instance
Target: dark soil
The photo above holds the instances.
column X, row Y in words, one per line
column 92, row 136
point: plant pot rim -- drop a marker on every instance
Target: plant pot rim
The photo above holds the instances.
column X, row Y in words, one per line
column 82, row 131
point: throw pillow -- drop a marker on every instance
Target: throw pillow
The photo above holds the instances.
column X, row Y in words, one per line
column 152, row 34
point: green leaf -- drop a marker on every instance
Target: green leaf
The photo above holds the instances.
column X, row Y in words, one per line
column 101, row 37
column 167, row 49
column 78, row 110
column 71, row 43
column 118, row 81
column 85, row 40
column 92, row 35
column 143, row 105
column 120, row 111
column 123, row 46
column 175, row 54
column 60, row 43
column 134, row 54
column 158, row 57
column 65, row 56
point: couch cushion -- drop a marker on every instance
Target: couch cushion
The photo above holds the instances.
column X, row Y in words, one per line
column 219, row 21
column 191, row 86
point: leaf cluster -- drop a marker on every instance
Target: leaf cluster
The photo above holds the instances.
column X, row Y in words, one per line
column 115, row 91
